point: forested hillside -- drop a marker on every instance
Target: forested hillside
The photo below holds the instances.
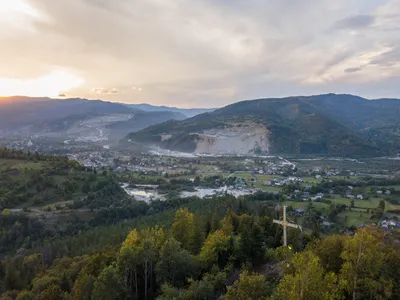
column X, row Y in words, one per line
column 45, row 196
column 235, row 256
column 336, row 125
column 31, row 179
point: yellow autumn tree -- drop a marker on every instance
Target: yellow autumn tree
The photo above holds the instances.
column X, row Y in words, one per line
column 249, row 286
column 216, row 248
column 186, row 231
column 305, row 279
column 361, row 275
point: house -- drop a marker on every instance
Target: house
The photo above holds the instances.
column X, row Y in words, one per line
column 379, row 192
column 267, row 183
column 318, row 176
column 387, row 192
column 361, row 197
column 350, row 187
column 326, row 223
column 350, row 196
column 299, row 212
column 315, row 198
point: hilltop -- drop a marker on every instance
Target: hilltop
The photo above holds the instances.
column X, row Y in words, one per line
column 338, row 125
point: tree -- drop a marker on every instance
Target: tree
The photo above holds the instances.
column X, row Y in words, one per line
column 216, row 249
column 175, row 263
column 185, row 231
column 139, row 252
column 25, row 295
column 391, row 269
column 382, row 205
column 305, row 279
column 247, row 287
column 53, row 292
column 360, row 276
column 129, row 262
column 210, row 287
column 108, row 285
column 6, row 212
column 83, row 286
column 251, row 242
column 329, row 251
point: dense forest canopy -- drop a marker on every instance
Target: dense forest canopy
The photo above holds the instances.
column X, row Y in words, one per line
column 234, row 257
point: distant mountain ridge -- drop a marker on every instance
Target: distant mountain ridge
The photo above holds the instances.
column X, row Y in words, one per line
column 75, row 118
column 188, row 112
column 330, row 124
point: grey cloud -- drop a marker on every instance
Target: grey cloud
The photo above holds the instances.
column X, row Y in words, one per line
column 388, row 58
column 352, row 70
column 335, row 60
column 186, row 51
column 355, row 22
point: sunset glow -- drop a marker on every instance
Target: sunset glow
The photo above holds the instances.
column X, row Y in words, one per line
column 50, row 85
column 17, row 6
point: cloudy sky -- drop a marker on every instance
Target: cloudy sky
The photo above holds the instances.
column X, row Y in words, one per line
column 199, row 53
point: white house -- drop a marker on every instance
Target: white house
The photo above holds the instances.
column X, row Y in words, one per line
column 361, row 197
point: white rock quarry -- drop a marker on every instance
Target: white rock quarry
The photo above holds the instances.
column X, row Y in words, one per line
column 238, row 139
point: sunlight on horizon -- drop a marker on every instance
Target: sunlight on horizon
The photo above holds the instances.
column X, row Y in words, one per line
column 50, row 85
column 18, row 6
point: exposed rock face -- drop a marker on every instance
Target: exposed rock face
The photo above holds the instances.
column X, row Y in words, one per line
column 242, row 139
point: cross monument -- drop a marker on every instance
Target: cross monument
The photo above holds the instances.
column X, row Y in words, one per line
column 286, row 224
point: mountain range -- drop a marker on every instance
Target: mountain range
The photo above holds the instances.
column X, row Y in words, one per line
column 188, row 112
column 75, row 118
column 330, row 124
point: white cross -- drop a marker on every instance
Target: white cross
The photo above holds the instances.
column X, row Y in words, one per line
column 286, row 224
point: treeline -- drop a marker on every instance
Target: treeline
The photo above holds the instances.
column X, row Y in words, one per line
column 35, row 156
column 235, row 257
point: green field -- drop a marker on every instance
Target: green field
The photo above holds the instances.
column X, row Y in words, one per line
column 354, row 218
column 371, row 203
column 319, row 206
column 390, row 206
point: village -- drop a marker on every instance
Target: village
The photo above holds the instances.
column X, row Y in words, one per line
column 335, row 193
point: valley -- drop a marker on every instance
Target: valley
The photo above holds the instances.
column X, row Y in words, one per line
column 91, row 186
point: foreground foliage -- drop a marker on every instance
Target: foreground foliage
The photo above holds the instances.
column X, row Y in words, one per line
column 183, row 261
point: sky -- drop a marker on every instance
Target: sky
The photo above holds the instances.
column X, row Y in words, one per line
column 199, row 53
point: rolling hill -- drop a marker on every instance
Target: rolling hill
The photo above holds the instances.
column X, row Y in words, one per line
column 338, row 125
column 80, row 119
